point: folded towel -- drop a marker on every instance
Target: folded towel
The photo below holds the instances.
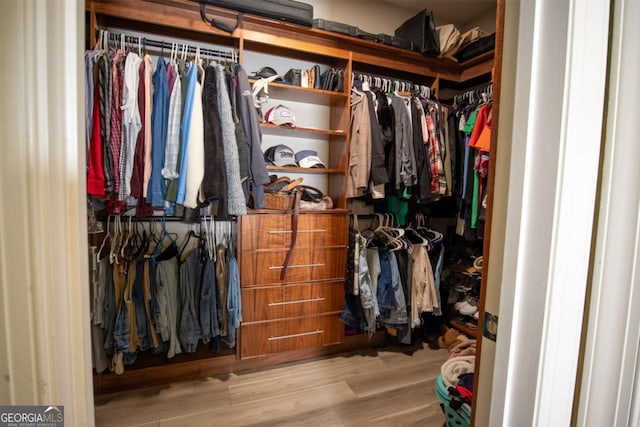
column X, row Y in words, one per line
column 462, row 346
column 456, row 366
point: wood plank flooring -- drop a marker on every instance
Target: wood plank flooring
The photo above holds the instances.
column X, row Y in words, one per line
column 386, row 387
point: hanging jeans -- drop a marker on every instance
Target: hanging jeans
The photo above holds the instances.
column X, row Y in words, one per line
column 234, row 303
column 109, row 311
column 141, row 314
column 208, row 303
column 386, row 299
column 366, row 293
column 167, row 284
column 397, row 314
column 189, row 329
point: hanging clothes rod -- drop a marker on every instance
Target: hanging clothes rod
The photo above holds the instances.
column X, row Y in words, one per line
column 134, row 41
column 483, row 92
column 389, row 84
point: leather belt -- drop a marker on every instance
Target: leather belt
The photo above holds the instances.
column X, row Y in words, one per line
column 294, row 232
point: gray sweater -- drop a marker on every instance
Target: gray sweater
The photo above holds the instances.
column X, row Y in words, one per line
column 235, row 196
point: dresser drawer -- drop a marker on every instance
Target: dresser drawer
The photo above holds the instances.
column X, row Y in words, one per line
column 258, row 339
column 278, row 302
column 307, row 265
column 273, row 231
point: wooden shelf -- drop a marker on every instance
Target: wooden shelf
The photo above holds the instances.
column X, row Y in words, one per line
column 303, row 94
column 270, row 129
column 305, row 170
column 277, row 36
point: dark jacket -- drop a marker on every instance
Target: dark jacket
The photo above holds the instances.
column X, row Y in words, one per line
column 258, row 175
column 214, row 183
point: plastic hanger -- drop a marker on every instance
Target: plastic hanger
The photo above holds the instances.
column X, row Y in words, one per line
column 107, row 236
column 171, row 250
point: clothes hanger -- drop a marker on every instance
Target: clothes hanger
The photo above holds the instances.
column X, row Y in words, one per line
column 115, row 241
column 107, row 236
column 127, row 238
column 171, row 250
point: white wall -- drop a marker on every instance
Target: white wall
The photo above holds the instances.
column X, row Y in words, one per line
column 486, row 22
column 372, row 16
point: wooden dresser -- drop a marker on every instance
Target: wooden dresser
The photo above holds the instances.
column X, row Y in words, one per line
column 303, row 310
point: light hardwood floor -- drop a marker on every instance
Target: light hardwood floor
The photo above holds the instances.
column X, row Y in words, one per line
column 386, row 387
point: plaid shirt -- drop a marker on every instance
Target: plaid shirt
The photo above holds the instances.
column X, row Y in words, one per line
column 436, row 151
column 115, row 143
column 170, row 169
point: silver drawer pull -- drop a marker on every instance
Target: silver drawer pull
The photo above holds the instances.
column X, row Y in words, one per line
column 300, row 301
column 280, row 267
column 319, row 230
column 302, row 334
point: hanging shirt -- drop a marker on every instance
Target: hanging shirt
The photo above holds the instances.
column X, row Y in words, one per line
column 481, row 135
column 405, row 155
column 159, row 116
column 148, row 125
column 130, row 115
column 104, row 83
column 95, row 172
column 89, row 92
column 438, row 179
column 195, row 154
column 115, row 143
column 185, row 128
column 173, row 132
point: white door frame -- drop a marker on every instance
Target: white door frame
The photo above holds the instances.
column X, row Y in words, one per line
column 44, row 311
column 609, row 392
column 556, row 133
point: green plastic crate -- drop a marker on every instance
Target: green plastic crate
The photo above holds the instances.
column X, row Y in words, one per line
column 460, row 417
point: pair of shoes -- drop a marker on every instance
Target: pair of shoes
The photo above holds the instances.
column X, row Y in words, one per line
column 448, row 338
column 465, row 308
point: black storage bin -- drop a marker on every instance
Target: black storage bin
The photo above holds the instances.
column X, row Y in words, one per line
column 395, row 41
column 284, row 10
column 473, row 49
column 421, row 30
column 336, row 27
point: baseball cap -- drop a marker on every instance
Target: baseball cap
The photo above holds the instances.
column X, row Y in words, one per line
column 280, row 155
column 280, row 115
column 265, row 73
column 309, row 159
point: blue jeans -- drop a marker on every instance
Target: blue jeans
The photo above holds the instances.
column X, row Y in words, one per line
column 141, row 315
column 366, row 293
column 208, row 303
column 234, row 302
column 398, row 314
column 109, row 316
column 189, row 329
column 386, row 299
column 121, row 330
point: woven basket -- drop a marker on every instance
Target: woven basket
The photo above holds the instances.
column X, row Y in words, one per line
column 279, row 200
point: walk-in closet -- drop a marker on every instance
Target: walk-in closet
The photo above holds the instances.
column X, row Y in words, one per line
column 287, row 219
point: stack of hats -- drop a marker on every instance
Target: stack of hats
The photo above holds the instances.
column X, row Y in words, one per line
column 283, row 156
